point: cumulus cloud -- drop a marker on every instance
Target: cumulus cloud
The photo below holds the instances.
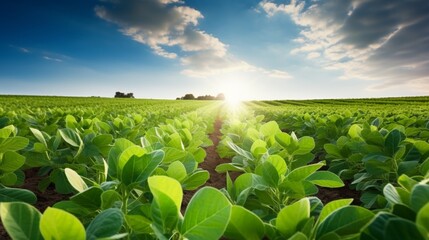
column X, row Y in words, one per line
column 170, row 29
column 385, row 41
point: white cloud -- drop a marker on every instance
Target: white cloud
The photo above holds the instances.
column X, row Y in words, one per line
column 384, row 41
column 165, row 24
column 52, row 59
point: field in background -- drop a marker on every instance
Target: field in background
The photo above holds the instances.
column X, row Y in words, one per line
column 91, row 168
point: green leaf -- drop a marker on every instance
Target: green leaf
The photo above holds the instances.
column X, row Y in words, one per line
column 167, row 200
column 177, row 171
column 269, row 173
column 393, row 139
column 240, row 151
column 332, row 206
column 306, row 145
column 105, row 224
column 11, row 161
column 269, row 128
column 422, row 220
column 290, row 217
column 20, row 220
column 345, row 221
column 225, row 167
column 59, row 224
column 13, row 144
column 90, row 198
column 283, row 139
column 325, row 179
column 303, row 172
column 39, row 136
column 71, row 137
column 127, row 155
column 115, row 152
column 138, row 168
column 75, row 180
column 208, row 222
column 110, row 198
column 139, row 224
column 257, row 147
column 16, row 195
column 244, row 224
column 279, row 163
column 392, row 196
column 195, row 180
column 399, row 229
column 419, row 196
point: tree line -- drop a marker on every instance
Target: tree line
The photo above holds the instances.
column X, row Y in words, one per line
column 191, row 96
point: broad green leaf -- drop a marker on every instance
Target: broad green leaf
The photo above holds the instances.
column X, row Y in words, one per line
column 419, row 196
column 75, row 180
column 177, row 171
column 225, row 167
column 290, row 217
column 105, row 224
column 244, row 224
column 258, row 144
column 240, row 151
column 283, row 139
column 208, row 222
column 8, row 179
column 392, row 196
column 279, row 163
column 306, row 145
column 249, row 180
column 16, row 195
column 422, row 220
column 167, row 200
column 345, row 221
column 59, row 224
column 138, row 168
column 302, row 173
column 13, row 144
column 325, row 179
column 355, row 131
column 90, row 198
column 407, row 182
column 39, row 136
column 393, row 139
column 195, row 180
column 139, row 224
column 110, row 198
column 71, row 137
column 11, row 161
column 269, row 173
column 399, row 229
column 73, row 208
column 127, row 154
column 115, row 152
column 332, row 206
column 269, row 128
column 20, row 220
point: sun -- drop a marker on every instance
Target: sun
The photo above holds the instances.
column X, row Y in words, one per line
column 235, row 93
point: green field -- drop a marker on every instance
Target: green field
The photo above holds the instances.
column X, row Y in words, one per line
column 123, row 168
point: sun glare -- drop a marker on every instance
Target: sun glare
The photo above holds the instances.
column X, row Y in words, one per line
column 235, row 92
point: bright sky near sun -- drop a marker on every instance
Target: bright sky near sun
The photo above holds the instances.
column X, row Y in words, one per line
column 247, row 49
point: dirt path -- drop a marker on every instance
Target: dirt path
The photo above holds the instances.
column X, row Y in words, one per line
column 217, row 180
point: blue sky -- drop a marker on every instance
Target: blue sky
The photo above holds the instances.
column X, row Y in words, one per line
column 252, row 49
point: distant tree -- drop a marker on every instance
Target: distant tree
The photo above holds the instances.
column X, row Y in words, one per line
column 189, row 96
column 220, row 96
column 123, row 95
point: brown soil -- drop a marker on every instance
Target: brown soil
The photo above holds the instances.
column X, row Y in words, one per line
column 217, row 180
column 44, row 199
column 330, row 194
